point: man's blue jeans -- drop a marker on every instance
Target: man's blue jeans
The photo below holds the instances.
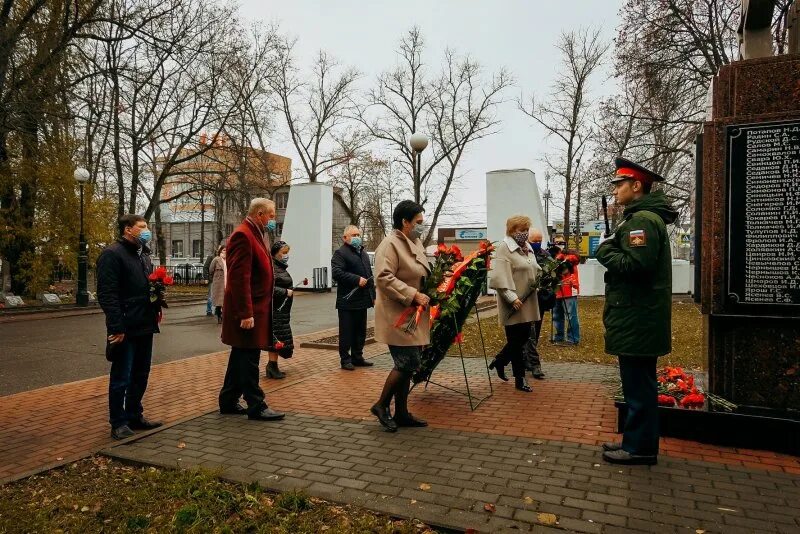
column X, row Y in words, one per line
column 566, row 308
column 130, row 371
column 208, row 300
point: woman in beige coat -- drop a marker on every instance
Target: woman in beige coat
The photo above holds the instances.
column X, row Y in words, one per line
column 514, row 271
column 400, row 270
column 218, row 273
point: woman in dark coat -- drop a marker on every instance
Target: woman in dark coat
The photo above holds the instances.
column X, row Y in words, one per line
column 282, row 297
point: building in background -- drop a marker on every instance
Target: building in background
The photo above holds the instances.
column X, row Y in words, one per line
column 208, row 196
column 467, row 239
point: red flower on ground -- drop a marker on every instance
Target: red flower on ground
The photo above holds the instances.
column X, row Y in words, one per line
column 666, row 400
column 459, row 338
column 693, row 400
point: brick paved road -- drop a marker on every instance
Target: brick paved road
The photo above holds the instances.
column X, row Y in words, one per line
column 446, row 477
column 50, row 426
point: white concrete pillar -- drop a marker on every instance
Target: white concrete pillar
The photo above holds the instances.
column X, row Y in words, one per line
column 307, row 228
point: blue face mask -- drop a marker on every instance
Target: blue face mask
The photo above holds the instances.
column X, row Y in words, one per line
column 536, row 246
column 285, row 259
column 355, row 242
column 145, row 236
column 271, row 225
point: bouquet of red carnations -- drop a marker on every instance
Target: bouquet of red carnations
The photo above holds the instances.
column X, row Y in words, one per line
column 159, row 280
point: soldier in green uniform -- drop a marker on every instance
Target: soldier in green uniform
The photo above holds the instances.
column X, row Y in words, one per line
column 638, row 308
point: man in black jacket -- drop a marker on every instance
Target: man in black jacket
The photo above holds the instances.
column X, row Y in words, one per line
column 123, row 291
column 354, row 295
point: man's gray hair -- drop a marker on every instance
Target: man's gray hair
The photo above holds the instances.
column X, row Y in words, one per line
column 534, row 231
column 260, row 204
column 349, row 228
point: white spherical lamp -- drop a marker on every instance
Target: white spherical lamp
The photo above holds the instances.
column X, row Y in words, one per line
column 418, row 142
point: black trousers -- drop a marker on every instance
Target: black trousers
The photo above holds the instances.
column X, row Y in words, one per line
column 531, row 349
column 516, row 337
column 640, row 388
column 352, row 335
column 241, row 379
column 130, row 372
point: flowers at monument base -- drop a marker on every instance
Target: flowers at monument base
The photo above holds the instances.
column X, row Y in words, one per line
column 159, row 280
column 676, row 384
column 678, row 389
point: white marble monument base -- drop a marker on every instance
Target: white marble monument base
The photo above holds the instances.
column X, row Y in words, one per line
column 307, row 229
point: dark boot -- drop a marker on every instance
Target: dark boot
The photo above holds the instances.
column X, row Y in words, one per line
column 521, row 384
column 537, row 372
column 381, row 408
column 273, row 371
column 402, row 417
column 500, row 368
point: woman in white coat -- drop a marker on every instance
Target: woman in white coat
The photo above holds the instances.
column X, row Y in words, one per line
column 513, row 275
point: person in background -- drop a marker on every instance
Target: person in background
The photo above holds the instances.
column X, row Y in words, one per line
column 218, row 273
column 400, row 271
column 546, row 300
column 207, row 278
column 282, row 298
column 566, row 308
column 355, row 294
column 123, row 292
column 513, row 273
column 247, row 322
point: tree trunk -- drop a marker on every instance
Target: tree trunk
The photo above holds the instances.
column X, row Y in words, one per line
column 161, row 241
column 567, row 202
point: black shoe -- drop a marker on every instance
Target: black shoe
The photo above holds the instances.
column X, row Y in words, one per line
column 348, row 366
column 501, row 372
column 537, row 373
column 209, row 314
column 143, row 424
column 612, row 446
column 625, row 458
column 272, row 371
column 409, row 421
column 384, row 417
column 521, row 384
column 362, row 363
column 121, row 432
column 237, row 409
column 267, row 414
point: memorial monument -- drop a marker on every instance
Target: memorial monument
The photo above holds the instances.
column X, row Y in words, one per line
column 750, row 248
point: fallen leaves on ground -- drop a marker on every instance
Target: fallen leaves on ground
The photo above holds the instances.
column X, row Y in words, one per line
column 489, row 507
column 424, row 486
column 547, row 519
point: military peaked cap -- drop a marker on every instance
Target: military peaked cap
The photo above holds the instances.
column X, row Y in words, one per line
column 628, row 170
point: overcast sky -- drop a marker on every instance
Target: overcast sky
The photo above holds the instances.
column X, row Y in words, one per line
column 517, row 34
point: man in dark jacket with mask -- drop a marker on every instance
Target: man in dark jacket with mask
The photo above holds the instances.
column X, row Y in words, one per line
column 355, row 294
column 638, row 309
column 123, row 291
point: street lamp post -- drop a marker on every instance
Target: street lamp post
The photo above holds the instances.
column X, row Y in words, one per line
column 418, row 142
column 82, row 298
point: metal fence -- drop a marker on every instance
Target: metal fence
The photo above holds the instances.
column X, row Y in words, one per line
column 186, row 274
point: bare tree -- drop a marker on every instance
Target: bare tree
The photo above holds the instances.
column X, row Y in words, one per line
column 315, row 111
column 566, row 114
column 355, row 180
column 455, row 108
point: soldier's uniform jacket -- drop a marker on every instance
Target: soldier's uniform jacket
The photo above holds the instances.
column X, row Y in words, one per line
column 638, row 309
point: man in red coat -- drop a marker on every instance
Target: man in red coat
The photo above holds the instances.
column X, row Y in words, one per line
column 247, row 312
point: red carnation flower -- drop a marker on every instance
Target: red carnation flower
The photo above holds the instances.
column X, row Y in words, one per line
column 666, row 400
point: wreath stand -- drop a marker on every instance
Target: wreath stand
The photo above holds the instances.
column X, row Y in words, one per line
column 474, row 402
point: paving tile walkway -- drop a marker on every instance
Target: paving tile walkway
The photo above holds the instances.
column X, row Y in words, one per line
column 47, row 427
column 449, row 478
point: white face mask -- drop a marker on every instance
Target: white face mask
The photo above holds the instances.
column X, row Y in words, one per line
column 417, row 231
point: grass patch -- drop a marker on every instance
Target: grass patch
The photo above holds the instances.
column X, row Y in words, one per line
column 101, row 495
column 687, row 346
